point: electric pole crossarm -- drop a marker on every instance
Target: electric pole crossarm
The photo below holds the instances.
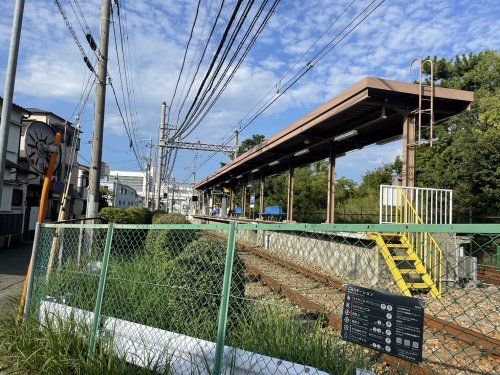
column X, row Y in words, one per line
column 197, row 146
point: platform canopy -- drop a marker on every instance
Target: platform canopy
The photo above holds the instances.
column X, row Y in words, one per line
column 372, row 111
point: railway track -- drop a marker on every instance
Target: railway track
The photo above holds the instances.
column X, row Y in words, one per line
column 324, row 297
column 488, row 275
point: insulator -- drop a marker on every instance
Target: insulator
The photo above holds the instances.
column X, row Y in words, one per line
column 89, row 64
column 91, row 41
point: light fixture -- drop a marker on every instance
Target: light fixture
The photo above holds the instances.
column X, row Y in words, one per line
column 240, row 176
column 301, row 152
column 307, row 141
column 255, row 170
column 346, row 135
column 389, row 140
column 273, row 163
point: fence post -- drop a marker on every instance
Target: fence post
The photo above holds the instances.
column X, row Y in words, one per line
column 224, row 303
column 100, row 291
column 24, row 305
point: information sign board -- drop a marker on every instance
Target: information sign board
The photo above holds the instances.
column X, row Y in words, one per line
column 252, row 200
column 385, row 322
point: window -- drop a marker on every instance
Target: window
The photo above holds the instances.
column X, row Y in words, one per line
column 17, row 197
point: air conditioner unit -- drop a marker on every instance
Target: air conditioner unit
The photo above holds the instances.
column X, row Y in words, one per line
column 467, row 268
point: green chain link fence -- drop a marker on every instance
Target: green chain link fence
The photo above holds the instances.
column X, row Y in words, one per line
column 266, row 298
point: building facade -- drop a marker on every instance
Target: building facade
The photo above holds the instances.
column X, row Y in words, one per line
column 67, row 172
column 12, row 205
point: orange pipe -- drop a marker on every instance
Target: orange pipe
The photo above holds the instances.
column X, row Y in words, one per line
column 48, row 179
column 41, row 215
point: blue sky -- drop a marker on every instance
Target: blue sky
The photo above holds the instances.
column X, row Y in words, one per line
column 51, row 71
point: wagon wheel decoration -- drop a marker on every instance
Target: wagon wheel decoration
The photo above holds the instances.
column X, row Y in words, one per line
column 39, row 144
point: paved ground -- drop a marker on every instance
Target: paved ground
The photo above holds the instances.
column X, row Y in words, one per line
column 13, row 266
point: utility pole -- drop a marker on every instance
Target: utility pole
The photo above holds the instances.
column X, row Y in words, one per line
column 10, row 78
column 173, row 193
column 148, row 170
column 100, row 104
column 65, row 200
column 159, row 156
column 236, row 134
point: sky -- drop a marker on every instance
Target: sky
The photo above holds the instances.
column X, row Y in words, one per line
column 51, row 72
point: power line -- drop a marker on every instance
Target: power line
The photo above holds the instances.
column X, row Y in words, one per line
column 234, row 70
column 313, row 62
column 201, row 59
column 184, row 57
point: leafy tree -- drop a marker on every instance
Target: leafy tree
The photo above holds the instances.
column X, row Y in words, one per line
column 250, row 143
column 466, row 155
column 247, row 145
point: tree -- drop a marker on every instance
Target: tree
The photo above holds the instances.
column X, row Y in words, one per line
column 466, row 154
column 250, row 143
column 247, row 145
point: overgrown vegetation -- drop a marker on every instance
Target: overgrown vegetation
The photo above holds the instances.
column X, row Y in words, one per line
column 169, row 242
column 131, row 215
column 56, row 347
column 179, row 292
column 281, row 332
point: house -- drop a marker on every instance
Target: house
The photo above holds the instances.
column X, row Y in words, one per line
column 120, row 195
column 67, row 172
column 12, row 206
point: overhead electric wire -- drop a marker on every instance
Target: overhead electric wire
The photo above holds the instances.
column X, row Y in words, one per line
column 212, row 63
column 132, row 110
column 69, row 26
column 233, row 72
column 227, row 49
column 201, row 59
column 125, row 125
column 184, row 57
column 193, row 58
column 318, row 56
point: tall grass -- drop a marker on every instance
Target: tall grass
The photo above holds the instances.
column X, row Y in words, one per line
column 56, row 347
column 281, row 332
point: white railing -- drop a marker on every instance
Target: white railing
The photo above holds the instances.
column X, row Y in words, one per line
column 412, row 205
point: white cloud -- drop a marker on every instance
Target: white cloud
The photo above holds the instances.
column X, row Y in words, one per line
column 51, row 70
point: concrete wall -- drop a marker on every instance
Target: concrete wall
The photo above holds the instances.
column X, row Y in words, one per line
column 351, row 257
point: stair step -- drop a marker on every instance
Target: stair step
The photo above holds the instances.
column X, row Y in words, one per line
column 418, row 285
column 397, row 245
column 390, row 235
column 407, row 271
column 402, row 258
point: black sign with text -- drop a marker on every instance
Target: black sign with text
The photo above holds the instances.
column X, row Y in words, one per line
column 385, row 322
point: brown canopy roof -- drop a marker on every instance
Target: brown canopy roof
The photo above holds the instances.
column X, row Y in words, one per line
column 373, row 108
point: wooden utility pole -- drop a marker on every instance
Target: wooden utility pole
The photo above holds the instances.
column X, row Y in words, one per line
column 100, row 104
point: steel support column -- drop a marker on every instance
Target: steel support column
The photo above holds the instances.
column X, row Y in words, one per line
column 330, row 210
column 231, row 198
column 409, row 148
column 244, row 200
column 289, row 206
column 261, row 197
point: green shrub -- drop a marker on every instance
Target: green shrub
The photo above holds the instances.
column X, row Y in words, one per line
column 157, row 212
column 197, row 275
column 113, row 215
column 170, row 242
column 170, row 218
column 138, row 215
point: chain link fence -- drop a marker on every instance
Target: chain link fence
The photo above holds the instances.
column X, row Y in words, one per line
column 268, row 298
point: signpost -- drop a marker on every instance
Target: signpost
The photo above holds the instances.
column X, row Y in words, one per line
column 385, row 322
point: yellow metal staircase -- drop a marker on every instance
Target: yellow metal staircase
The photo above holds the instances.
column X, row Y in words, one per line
column 414, row 259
